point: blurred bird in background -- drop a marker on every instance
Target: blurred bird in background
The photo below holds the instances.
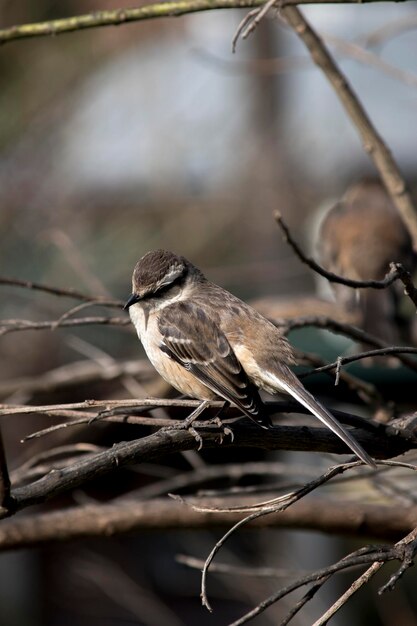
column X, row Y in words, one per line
column 359, row 237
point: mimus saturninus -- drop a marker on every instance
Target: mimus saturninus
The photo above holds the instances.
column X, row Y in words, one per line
column 207, row 343
column 359, row 237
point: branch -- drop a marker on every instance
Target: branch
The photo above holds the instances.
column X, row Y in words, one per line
column 103, row 520
column 124, row 16
column 363, row 556
column 409, row 540
column 389, row 278
column 371, row 140
column 56, row 291
column 344, row 360
column 76, row 374
column 397, row 270
column 11, row 326
column 348, row 330
column 169, row 441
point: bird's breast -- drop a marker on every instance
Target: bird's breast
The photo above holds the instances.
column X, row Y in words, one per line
column 175, row 374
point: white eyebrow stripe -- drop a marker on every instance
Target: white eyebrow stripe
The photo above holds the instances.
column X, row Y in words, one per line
column 170, row 276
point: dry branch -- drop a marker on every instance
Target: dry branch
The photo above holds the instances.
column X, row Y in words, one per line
column 11, row 326
column 169, row 441
column 74, row 375
column 93, row 520
column 124, row 16
column 55, row 291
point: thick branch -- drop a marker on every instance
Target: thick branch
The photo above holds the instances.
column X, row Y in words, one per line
column 92, row 520
column 165, row 442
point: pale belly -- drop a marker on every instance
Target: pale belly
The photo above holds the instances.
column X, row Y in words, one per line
column 172, row 372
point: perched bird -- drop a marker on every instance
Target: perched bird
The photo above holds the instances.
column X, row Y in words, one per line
column 359, row 238
column 207, row 343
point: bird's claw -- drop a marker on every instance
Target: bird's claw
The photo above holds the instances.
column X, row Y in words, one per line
column 226, row 430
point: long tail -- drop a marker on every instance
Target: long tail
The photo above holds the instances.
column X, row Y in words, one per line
column 300, row 393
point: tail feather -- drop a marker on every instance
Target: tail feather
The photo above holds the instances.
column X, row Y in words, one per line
column 306, row 399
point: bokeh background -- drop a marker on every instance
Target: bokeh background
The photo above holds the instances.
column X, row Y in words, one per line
column 119, row 140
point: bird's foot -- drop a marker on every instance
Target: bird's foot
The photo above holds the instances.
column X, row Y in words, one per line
column 226, row 430
column 187, row 423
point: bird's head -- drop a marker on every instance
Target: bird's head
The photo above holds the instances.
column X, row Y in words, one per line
column 157, row 274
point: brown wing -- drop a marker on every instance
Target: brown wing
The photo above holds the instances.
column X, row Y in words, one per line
column 194, row 340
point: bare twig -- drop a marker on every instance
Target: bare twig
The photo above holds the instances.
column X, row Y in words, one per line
column 355, row 586
column 122, row 16
column 363, row 556
column 348, row 330
column 56, row 291
column 391, row 29
column 251, row 21
column 42, row 462
column 397, row 270
column 74, row 375
column 11, row 326
column 106, row 405
column 390, row 277
column 409, row 548
column 267, row 510
column 81, row 307
column 355, row 51
column 407, row 541
column 305, row 598
column 344, row 360
column 385, row 522
column 405, row 277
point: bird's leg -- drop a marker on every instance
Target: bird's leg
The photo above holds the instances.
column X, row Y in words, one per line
column 187, row 423
column 217, row 420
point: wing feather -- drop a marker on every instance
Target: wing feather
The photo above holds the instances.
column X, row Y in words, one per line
column 194, row 340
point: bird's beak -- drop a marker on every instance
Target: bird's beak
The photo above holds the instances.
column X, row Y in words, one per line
column 132, row 300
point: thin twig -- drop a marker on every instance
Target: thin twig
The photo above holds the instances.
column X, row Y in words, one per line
column 344, row 360
column 11, row 326
column 389, row 278
column 121, row 16
column 405, row 277
column 342, row 328
column 81, row 307
column 387, row 31
column 362, row 55
column 363, row 556
column 56, row 291
column 362, row 580
column 303, row 601
column 297, row 495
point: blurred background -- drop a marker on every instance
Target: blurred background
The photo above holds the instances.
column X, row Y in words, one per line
column 115, row 141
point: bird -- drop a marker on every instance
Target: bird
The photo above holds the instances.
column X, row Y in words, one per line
column 207, row 343
column 359, row 237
